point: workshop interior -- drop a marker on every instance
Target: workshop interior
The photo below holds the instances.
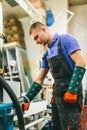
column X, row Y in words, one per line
column 20, row 58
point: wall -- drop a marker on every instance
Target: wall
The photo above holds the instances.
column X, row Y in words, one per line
column 33, row 51
column 78, row 27
column 57, row 6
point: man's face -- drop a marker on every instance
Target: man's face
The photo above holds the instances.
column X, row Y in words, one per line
column 39, row 36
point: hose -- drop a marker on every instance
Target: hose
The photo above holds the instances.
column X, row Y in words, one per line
column 16, row 104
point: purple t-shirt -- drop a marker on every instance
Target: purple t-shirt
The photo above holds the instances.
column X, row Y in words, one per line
column 68, row 44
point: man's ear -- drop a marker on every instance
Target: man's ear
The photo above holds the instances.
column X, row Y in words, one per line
column 44, row 29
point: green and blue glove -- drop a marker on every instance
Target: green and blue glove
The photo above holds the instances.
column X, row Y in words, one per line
column 31, row 93
column 75, row 83
column 33, row 90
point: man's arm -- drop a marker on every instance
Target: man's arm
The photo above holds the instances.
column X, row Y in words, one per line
column 41, row 75
column 77, row 76
column 33, row 90
column 35, row 87
column 78, row 58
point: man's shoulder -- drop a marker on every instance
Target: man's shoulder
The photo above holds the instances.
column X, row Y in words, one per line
column 66, row 35
column 67, row 39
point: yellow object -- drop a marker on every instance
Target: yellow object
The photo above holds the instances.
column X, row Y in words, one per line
column 1, row 71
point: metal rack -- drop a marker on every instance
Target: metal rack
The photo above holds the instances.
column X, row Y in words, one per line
column 16, row 63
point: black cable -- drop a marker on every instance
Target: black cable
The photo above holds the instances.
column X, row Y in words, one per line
column 16, row 104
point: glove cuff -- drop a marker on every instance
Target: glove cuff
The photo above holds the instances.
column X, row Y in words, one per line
column 33, row 90
column 76, row 79
column 26, row 99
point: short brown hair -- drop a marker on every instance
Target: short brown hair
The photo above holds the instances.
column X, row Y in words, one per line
column 36, row 25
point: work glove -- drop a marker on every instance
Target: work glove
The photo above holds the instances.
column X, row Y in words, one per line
column 75, row 84
column 70, row 97
column 33, row 90
column 24, row 103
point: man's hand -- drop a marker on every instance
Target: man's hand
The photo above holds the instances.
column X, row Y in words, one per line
column 25, row 106
column 70, row 97
column 24, row 103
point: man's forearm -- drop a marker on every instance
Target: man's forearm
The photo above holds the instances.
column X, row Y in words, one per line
column 33, row 90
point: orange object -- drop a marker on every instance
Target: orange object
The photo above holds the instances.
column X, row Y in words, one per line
column 70, row 97
column 68, row 127
column 25, row 106
column 83, row 121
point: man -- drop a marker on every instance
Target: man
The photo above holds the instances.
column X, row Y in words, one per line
column 67, row 66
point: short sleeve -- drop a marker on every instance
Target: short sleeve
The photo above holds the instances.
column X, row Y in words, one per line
column 70, row 44
column 44, row 64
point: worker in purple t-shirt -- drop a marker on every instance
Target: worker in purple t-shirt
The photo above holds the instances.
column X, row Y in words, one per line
column 65, row 61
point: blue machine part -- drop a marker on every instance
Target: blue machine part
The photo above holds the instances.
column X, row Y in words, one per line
column 6, row 117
